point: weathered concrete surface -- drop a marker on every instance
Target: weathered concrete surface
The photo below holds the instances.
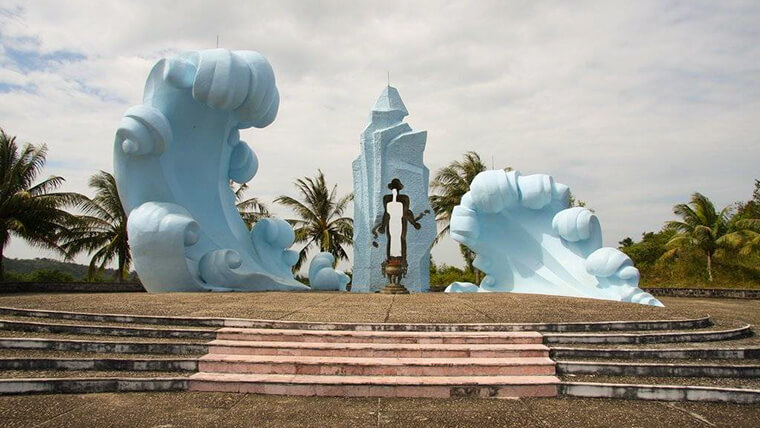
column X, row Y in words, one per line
column 238, row 410
column 691, row 353
column 730, row 293
column 658, row 337
column 660, row 392
column 103, row 364
column 122, row 347
column 68, row 287
column 21, row 314
column 106, row 330
column 89, row 385
column 424, row 307
column 695, row 369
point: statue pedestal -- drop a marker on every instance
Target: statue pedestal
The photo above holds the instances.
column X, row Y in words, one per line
column 394, row 289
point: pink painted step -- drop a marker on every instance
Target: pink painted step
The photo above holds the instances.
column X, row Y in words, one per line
column 377, row 386
column 346, row 366
column 393, row 350
column 343, row 336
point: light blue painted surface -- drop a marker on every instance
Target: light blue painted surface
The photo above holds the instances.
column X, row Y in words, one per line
column 174, row 156
column 528, row 240
column 390, row 149
column 322, row 276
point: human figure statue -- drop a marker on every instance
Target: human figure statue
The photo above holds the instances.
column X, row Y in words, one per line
column 394, row 223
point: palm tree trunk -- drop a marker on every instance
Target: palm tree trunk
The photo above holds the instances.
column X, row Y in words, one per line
column 709, row 267
column 477, row 276
column 120, row 271
column 2, row 267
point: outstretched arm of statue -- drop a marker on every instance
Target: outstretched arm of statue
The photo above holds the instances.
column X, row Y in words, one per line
column 409, row 216
column 380, row 228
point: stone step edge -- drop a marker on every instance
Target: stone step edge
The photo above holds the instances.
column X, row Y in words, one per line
column 358, row 380
column 671, row 353
column 375, row 361
column 659, row 392
column 84, row 385
column 382, row 346
column 671, row 337
column 105, row 330
column 657, row 369
column 101, row 364
column 391, row 334
column 78, row 345
column 701, row 322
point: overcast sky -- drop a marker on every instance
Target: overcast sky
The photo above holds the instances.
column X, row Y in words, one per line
column 633, row 104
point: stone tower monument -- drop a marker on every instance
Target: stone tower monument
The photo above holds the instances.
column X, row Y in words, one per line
column 390, row 150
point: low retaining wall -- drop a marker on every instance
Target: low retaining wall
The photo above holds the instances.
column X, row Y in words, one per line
column 705, row 292
column 71, row 287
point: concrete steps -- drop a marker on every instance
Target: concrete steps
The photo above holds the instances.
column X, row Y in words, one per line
column 347, row 336
column 377, row 363
column 377, row 386
column 374, row 350
column 275, row 364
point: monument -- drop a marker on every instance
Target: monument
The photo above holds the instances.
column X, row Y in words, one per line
column 528, row 240
column 391, row 159
column 174, row 158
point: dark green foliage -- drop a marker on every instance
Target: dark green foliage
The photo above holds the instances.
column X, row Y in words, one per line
column 443, row 275
column 676, row 255
column 252, row 209
column 32, row 212
column 449, row 185
column 22, row 270
column 102, row 229
column 321, row 222
column 651, row 247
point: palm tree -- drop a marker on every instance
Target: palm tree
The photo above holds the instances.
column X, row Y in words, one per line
column 321, row 220
column 702, row 228
column 450, row 184
column 31, row 211
column 102, row 229
column 251, row 209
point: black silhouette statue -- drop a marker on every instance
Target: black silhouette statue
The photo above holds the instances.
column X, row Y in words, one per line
column 394, row 223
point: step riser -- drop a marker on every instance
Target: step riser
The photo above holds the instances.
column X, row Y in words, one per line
column 376, row 339
column 362, row 370
column 379, row 353
column 376, row 391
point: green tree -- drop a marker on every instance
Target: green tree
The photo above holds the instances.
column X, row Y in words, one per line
column 102, row 229
column 321, row 222
column 701, row 227
column 32, row 212
column 251, row 209
column 449, row 184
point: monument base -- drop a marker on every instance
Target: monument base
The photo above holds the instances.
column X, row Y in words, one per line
column 394, row 289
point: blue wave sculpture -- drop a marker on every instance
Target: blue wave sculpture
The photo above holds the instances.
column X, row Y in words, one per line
column 174, row 157
column 322, row 276
column 528, row 240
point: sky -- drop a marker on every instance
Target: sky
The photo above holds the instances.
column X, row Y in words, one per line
column 633, row 104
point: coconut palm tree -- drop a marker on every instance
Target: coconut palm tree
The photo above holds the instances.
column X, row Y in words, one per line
column 702, row 228
column 251, row 209
column 31, row 211
column 321, row 222
column 449, row 185
column 102, row 229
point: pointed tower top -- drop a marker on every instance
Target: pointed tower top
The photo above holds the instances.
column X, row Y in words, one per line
column 390, row 101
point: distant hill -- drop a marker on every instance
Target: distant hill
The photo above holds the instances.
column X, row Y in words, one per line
column 79, row 272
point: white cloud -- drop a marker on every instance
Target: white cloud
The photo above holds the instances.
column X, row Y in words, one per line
column 635, row 105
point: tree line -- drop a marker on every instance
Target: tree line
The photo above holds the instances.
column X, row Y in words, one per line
column 72, row 223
